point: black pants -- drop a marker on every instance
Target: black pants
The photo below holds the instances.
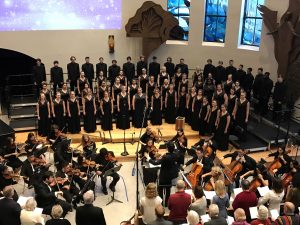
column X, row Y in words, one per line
column 73, row 84
column 38, row 89
column 115, row 177
column 65, row 206
column 55, row 85
column 91, row 83
column 164, row 186
column 277, row 115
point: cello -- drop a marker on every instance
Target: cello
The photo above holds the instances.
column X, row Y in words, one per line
column 194, row 174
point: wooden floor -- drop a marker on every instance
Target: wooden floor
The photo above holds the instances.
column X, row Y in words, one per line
column 131, row 138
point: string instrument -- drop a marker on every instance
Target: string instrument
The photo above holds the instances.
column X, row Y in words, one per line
column 208, row 151
column 194, row 174
column 89, row 163
column 154, row 135
column 208, row 186
column 287, row 179
column 58, row 181
column 40, row 162
column 276, row 164
column 11, row 175
column 75, row 172
column 255, row 183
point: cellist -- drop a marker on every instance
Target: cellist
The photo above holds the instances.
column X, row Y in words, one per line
column 210, row 178
column 247, row 162
column 283, row 158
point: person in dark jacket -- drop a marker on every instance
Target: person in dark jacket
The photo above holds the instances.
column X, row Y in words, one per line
column 215, row 219
column 266, row 92
column 231, row 70
column 89, row 214
column 170, row 67
column 129, row 70
column 39, row 75
column 241, row 74
column 278, row 97
column 10, row 210
column 183, row 67
column 209, row 68
column 257, row 88
column 220, row 73
column 154, row 68
column 101, row 66
column 57, row 76
column 113, row 71
column 73, row 72
column 88, row 69
column 141, row 65
column 247, row 83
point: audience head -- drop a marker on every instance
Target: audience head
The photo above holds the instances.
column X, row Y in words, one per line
column 180, row 185
column 213, row 211
column 56, row 212
column 30, row 204
column 170, row 147
column 239, row 215
column 277, row 185
column 193, row 218
column 198, row 192
column 288, row 208
column 88, row 197
column 160, row 211
column 220, row 188
column 8, row 191
column 263, row 213
column 245, row 185
column 151, row 191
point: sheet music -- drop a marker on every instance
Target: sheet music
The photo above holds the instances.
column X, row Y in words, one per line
column 263, row 190
column 209, row 194
column 154, row 166
column 230, row 220
column 253, row 212
column 274, row 214
column 22, row 200
column 205, row 218
column 38, row 210
column 236, row 191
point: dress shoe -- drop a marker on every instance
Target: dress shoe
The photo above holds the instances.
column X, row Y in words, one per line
column 105, row 191
column 112, row 188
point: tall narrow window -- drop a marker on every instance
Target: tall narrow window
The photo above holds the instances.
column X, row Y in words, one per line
column 215, row 20
column 252, row 23
column 181, row 11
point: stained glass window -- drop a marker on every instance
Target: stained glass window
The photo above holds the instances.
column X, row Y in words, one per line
column 181, row 11
column 252, row 23
column 215, row 20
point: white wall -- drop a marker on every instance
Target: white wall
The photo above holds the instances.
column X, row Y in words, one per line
column 60, row 45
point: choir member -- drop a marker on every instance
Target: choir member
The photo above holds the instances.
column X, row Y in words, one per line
column 101, row 66
column 132, row 90
column 154, row 68
column 184, row 67
column 230, row 69
column 231, row 101
column 196, row 107
column 278, row 96
column 44, row 115
column 39, row 74
column 199, row 84
column 139, row 105
column 248, row 82
column 141, row 65
column 164, row 89
column 116, row 89
column 100, row 78
column 73, row 109
column 82, row 80
column 208, row 68
column 151, row 85
column 123, row 106
column 129, row 70
column 220, row 96
column 64, row 92
column 241, row 113
column 59, row 111
column 222, row 129
column 237, row 89
column 46, row 92
column 170, row 67
column 220, row 73
column 182, row 102
column 73, row 72
column 89, row 112
column 177, row 78
column 183, row 83
column 157, row 107
column 113, row 71
column 11, row 152
column 265, row 93
column 228, row 84
column 203, row 116
column 241, row 74
column 162, row 76
column 189, row 104
column 196, row 74
column 143, row 80
column 122, row 78
column 209, row 87
column 85, row 90
column 213, row 116
column 88, row 69
column 107, row 109
column 57, row 76
column 257, row 88
column 170, row 105
column 101, row 89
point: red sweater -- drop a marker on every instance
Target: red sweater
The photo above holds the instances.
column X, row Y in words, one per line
column 245, row 200
column 264, row 222
column 178, row 204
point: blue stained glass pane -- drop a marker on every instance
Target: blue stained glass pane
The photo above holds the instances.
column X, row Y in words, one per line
column 259, row 2
column 212, row 7
column 248, row 31
column 221, row 29
column 210, row 29
column 222, row 7
column 257, row 33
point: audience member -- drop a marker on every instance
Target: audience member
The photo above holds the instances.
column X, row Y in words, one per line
column 262, row 217
column 245, row 199
column 221, row 198
column 240, row 217
column 178, row 204
column 289, row 217
column 200, row 204
column 215, row 219
column 56, row 213
column 193, row 218
column 160, row 212
column 149, row 202
column 29, row 216
column 89, row 214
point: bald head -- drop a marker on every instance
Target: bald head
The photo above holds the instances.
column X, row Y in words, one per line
column 289, row 207
column 180, row 185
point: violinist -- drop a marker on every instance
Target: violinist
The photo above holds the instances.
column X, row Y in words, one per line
column 7, row 178
column 31, row 142
column 62, row 154
column 150, row 149
column 106, row 162
column 11, row 153
column 281, row 157
column 180, row 142
column 242, row 159
column 55, row 136
column 89, row 146
column 29, row 171
column 149, row 134
column 211, row 177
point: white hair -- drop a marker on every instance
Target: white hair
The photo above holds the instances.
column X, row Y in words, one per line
column 213, row 210
column 88, row 197
column 30, row 204
column 193, row 218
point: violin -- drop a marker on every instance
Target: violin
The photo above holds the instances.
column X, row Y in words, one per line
column 11, row 175
column 89, row 163
column 75, row 172
column 57, row 181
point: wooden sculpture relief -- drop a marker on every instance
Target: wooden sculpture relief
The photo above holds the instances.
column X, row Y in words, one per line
column 155, row 25
column 286, row 36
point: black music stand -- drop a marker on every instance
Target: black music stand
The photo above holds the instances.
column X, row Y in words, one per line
column 108, row 173
column 125, row 152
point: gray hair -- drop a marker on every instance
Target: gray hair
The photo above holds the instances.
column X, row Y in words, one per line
column 213, row 210
column 8, row 191
column 193, row 217
column 56, row 211
column 239, row 215
column 180, row 185
column 263, row 213
column 88, row 197
column 30, row 204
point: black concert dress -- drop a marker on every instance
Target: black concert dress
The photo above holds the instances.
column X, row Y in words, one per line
column 182, row 111
column 123, row 116
column 156, row 115
column 220, row 137
column 195, row 116
column 90, row 117
column 44, row 122
column 106, row 123
column 212, row 121
column 59, row 118
column 74, row 120
column 202, row 123
column 140, row 104
column 170, row 114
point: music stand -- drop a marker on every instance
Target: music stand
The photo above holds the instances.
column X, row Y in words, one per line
column 109, row 173
column 125, row 152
